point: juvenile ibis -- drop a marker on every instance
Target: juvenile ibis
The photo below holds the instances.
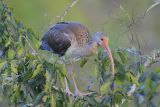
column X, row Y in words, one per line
column 71, row 40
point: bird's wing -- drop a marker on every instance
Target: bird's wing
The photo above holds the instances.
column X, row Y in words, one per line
column 55, row 40
column 59, row 37
column 81, row 33
column 75, row 30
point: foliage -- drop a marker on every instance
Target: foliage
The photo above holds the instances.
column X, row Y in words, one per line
column 28, row 77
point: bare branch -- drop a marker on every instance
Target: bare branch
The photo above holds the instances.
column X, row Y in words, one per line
column 127, row 14
column 153, row 58
column 33, row 50
column 152, row 6
column 144, row 14
column 134, row 21
column 67, row 10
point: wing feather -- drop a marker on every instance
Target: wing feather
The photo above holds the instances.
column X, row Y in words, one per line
column 59, row 37
column 56, row 40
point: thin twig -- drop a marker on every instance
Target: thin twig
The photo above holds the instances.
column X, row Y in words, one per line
column 67, row 10
column 144, row 14
column 134, row 21
column 152, row 6
column 34, row 51
column 127, row 14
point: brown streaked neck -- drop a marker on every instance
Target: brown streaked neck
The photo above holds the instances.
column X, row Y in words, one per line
column 90, row 48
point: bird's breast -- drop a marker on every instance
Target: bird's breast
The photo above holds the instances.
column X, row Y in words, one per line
column 76, row 51
column 93, row 48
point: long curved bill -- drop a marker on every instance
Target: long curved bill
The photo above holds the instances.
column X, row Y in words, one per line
column 107, row 49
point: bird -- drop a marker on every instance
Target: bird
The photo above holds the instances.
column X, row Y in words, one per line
column 71, row 41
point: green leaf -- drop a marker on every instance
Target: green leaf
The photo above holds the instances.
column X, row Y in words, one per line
column 38, row 69
column 62, row 70
column 83, row 62
column 8, row 43
column 158, row 69
column 48, row 56
column 122, row 56
column 117, row 99
column 120, row 78
column 14, row 66
column 149, row 83
column 91, row 101
column 3, row 64
column 52, row 101
column 105, row 87
column 14, row 69
column 26, row 76
column 39, row 99
column 11, row 54
column 16, row 93
column 0, row 38
column 20, row 51
column 132, row 78
column 120, row 67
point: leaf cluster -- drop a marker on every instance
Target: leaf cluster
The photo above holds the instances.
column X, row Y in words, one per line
column 32, row 77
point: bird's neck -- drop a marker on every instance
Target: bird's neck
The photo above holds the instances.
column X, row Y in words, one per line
column 90, row 49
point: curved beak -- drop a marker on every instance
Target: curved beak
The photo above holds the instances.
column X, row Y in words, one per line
column 107, row 49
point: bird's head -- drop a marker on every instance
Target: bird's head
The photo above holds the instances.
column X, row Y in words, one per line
column 102, row 40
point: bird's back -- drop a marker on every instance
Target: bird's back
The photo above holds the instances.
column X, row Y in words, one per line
column 62, row 35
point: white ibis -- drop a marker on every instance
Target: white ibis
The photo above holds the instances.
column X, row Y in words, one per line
column 71, row 40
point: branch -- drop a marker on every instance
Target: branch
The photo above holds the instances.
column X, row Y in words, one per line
column 147, row 60
column 143, row 15
column 153, row 58
column 67, row 10
column 134, row 21
column 33, row 50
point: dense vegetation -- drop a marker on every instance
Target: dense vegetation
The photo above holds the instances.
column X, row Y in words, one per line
column 28, row 77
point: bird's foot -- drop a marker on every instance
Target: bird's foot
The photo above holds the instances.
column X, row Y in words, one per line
column 68, row 92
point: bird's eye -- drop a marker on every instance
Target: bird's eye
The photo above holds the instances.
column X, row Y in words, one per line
column 101, row 38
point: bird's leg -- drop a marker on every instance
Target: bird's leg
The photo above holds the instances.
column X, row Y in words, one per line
column 67, row 90
column 76, row 91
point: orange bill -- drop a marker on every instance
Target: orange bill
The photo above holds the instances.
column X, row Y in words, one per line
column 107, row 49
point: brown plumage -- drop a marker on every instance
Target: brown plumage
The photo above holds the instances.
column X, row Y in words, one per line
column 60, row 36
column 71, row 39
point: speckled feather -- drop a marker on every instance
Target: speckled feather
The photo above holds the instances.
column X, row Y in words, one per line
column 60, row 37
